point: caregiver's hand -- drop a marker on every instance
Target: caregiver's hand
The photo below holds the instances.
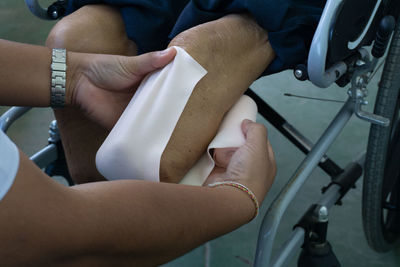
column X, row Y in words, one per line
column 102, row 85
column 252, row 164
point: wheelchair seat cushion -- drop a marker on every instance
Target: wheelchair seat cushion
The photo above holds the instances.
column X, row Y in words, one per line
column 153, row 23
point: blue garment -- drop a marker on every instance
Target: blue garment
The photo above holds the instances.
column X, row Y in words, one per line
column 153, row 23
column 147, row 22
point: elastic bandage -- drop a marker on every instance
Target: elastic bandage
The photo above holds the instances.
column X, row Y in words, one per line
column 134, row 147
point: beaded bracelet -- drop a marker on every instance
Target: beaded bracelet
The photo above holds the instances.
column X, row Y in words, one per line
column 242, row 188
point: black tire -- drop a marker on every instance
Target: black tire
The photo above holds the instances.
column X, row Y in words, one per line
column 381, row 188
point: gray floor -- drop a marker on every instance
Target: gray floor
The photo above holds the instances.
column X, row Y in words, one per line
column 309, row 116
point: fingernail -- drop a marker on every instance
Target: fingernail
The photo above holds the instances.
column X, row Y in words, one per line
column 166, row 51
column 245, row 125
column 246, row 122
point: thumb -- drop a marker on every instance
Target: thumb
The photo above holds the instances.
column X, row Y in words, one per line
column 254, row 132
column 143, row 64
column 246, row 125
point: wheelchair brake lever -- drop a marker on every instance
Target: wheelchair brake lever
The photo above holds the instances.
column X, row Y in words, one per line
column 358, row 92
column 383, row 35
column 371, row 117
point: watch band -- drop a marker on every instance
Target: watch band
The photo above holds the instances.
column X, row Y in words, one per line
column 58, row 78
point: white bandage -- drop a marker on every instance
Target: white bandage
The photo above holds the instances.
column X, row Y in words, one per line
column 134, row 147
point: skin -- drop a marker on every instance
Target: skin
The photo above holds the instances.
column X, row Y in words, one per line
column 233, row 63
column 80, row 32
column 146, row 224
column 234, row 50
column 119, row 223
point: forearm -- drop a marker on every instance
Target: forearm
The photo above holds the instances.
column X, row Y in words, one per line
column 25, row 74
column 151, row 223
column 131, row 223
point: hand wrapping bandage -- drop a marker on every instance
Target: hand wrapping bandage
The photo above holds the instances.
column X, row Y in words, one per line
column 229, row 135
column 134, row 147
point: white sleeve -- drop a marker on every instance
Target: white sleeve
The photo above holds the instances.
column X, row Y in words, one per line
column 9, row 162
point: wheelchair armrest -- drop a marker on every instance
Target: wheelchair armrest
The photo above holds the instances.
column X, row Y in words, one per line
column 36, row 9
column 10, row 116
column 318, row 71
column 54, row 11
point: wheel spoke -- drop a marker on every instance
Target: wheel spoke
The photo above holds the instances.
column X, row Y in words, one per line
column 392, row 221
column 390, row 206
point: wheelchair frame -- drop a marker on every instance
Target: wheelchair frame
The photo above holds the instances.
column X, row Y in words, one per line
column 316, row 218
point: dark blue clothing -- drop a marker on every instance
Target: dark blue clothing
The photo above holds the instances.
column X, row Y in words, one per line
column 153, row 23
column 147, row 22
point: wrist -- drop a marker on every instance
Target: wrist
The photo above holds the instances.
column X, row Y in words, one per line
column 76, row 68
column 246, row 200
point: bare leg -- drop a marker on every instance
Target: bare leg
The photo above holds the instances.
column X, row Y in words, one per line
column 235, row 51
column 92, row 29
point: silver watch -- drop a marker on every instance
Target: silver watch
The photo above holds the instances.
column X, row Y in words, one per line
column 58, row 78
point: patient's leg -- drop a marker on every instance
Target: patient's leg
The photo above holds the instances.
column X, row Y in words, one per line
column 92, row 29
column 235, row 51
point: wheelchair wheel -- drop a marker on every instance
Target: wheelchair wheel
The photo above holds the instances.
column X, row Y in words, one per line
column 381, row 188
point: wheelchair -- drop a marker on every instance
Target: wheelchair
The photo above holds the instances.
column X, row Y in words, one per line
column 346, row 50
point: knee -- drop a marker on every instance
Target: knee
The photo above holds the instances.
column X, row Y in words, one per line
column 59, row 36
column 200, row 42
column 69, row 33
column 92, row 29
column 230, row 39
column 222, row 32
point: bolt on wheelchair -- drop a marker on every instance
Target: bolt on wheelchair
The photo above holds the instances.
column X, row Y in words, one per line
column 346, row 49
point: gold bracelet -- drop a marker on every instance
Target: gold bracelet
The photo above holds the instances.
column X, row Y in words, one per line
column 242, row 188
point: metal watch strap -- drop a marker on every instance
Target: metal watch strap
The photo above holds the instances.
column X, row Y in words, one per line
column 58, row 78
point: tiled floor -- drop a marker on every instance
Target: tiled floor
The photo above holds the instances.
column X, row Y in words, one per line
column 309, row 116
